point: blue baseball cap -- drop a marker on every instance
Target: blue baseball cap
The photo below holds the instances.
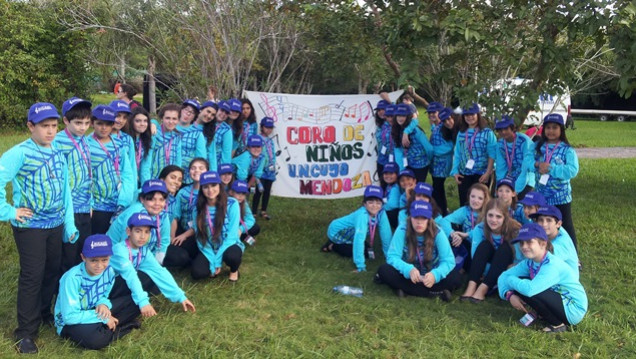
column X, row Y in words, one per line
column 192, row 102
column 444, row 114
column 255, row 141
column 225, row 168
column 72, row 102
column 424, row 188
column 506, row 182
column 533, row 198
column 551, row 211
column 373, row 192
column 434, row 107
column 154, row 185
column 239, row 186
column 530, row 231
column 391, row 167
column 406, row 172
column 41, row 111
column 209, row 177
column 141, row 219
column 235, row 105
column 473, row 109
column 555, row 118
column 390, row 110
column 210, row 104
column 267, row 122
column 120, row 106
column 104, row 113
column 97, row 245
column 382, row 104
column 421, row 209
column 505, row 122
column 225, row 106
column 402, row 110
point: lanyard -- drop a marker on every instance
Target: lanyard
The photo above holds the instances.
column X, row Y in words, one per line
column 210, row 224
column 82, row 152
column 419, row 257
column 534, row 272
column 472, row 219
column 372, row 224
column 387, row 190
column 548, row 153
column 138, row 153
column 116, row 160
column 472, row 142
column 158, row 232
column 130, row 256
column 167, row 150
column 510, row 158
column 46, row 161
column 270, row 152
column 190, row 196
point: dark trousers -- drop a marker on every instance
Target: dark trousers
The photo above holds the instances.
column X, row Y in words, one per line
column 201, row 266
column 40, row 252
column 439, row 194
column 97, row 335
column 255, row 230
column 523, row 193
column 181, row 255
column 100, row 222
column 393, row 216
column 267, row 189
column 499, row 261
column 380, row 169
column 396, row 280
column 568, row 224
column 121, row 289
column 346, row 249
column 463, row 188
column 71, row 251
column 549, row 305
column 420, row 173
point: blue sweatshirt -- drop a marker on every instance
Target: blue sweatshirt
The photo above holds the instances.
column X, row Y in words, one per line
column 484, row 148
column 142, row 162
column 166, row 150
column 78, row 158
column 563, row 248
column 239, row 144
column 269, row 151
column 248, row 219
column 477, row 236
column 552, row 273
column 353, row 229
column 117, row 230
column 564, row 165
column 442, row 152
column 461, row 216
column 192, row 145
column 521, row 171
column 385, row 143
column 248, row 165
column 223, row 139
column 442, row 263
column 126, row 145
column 418, row 154
column 113, row 180
column 392, row 196
column 186, row 202
column 39, row 177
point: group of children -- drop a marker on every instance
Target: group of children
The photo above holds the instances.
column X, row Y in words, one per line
column 520, row 243
column 110, row 210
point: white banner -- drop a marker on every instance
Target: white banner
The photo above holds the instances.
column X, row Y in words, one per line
column 325, row 144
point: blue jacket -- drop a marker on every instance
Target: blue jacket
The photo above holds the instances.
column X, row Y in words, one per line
column 113, row 178
column 442, row 152
column 418, row 154
column 248, row 219
column 461, row 216
column 185, row 205
column 192, row 145
column 247, row 165
column 223, row 143
column 522, row 170
column 166, row 150
column 392, row 196
column 78, row 159
column 142, row 162
column 564, row 165
column 126, row 146
column 563, row 248
column 117, row 230
column 485, row 147
column 269, row 151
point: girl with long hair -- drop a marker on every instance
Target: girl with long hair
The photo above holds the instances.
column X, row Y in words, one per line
column 417, row 156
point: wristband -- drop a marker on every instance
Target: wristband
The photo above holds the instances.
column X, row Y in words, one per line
column 509, row 294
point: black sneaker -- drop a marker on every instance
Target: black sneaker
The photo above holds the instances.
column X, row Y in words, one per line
column 444, row 295
column 27, row 346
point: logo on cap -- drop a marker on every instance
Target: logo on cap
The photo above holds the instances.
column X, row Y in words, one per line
column 153, row 183
column 99, row 244
column 142, row 216
column 42, row 108
column 75, row 100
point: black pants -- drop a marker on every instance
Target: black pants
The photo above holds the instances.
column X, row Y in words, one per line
column 463, row 188
column 523, row 193
column 420, row 173
column 267, row 189
column 568, row 224
column 97, row 335
column 255, row 230
column 380, row 169
column 181, row 255
column 439, row 194
column 396, row 280
column 549, row 305
column 100, row 222
column 40, row 252
column 121, row 289
column 71, row 251
column 499, row 261
column 393, row 216
column 201, row 266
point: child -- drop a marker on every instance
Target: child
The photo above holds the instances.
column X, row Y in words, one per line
column 113, row 180
column 83, row 311
column 422, row 192
column 506, row 192
column 490, row 246
column 140, row 131
column 167, row 142
column 443, row 140
column 392, row 193
column 122, row 139
column 269, row 168
column 514, row 157
column 417, row 156
column 41, row 218
column 382, row 137
column 193, row 141
column 216, row 227
column 549, row 217
column 227, row 176
column 223, row 135
column 347, row 235
column 544, row 283
column 72, row 144
column 207, row 125
column 235, row 120
column 556, row 164
column 250, row 164
column 531, row 203
column 433, row 111
column 466, row 217
column 250, row 127
column 249, row 228
column 172, row 176
column 420, row 261
column 475, row 152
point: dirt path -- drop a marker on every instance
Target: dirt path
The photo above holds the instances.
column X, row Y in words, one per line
column 606, row 152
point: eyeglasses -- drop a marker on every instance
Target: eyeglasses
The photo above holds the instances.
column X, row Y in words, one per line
column 189, row 112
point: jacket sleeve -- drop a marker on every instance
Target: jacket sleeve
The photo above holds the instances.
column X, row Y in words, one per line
column 456, row 154
column 421, row 137
column 233, row 215
column 445, row 256
column 122, row 266
column 200, row 150
column 545, row 279
column 491, row 145
column 128, row 184
column 71, row 306
column 567, row 170
column 477, row 236
column 226, row 156
column 10, row 164
column 519, row 270
column 394, row 258
column 241, row 166
column 163, row 279
column 69, row 216
column 501, row 166
column 362, row 228
column 211, row 156
column 385, row 232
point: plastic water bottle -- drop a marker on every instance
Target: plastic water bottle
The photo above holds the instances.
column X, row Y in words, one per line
column 347, row 290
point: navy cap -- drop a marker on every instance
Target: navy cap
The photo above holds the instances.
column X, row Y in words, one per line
column 434, row 107
column 225, row 106
column 209, row 177
column 154, row 185
column 267, row 122
column 239, row 186
column 97, row 245
column 421, row 209
column 551, row 211
column 530, row 231
column 555, row 118
column 402, row 110
column 424, row 188
column 104, row 113
column 225, row 168
column 72, row 102
column 42, row 111
column 533, row 198
column 373, row 192
column 210, row 104
column 471, row 110
column 120, row 106
column 382, row 104
column 505, row 122
column 391, row 167
column 390, row 110
column 506, row 182
column 406, row 172
column 255, row 141
column 444, row 114
column 141, row 219
column 193, row 103
column 235, row 105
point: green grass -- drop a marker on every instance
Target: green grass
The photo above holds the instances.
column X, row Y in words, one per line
column 594, row 133
column 283, row 305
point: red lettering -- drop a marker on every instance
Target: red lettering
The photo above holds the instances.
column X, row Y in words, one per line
column 291, row 140
column 329, row 136
column 316, row 135
column 336, row 186
column 304, row 135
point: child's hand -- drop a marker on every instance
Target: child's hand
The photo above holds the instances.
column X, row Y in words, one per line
column 544, row 168
column 102, row 311
column 456, row 239
column 405, row 141
column 112, row 323
column 22, row 214
column 153, row 129
column 176, row 241
column 517, row 303
column 415, row 275
column 485, row 177
column 188, row 304
column 428, row 280
column 148, row 311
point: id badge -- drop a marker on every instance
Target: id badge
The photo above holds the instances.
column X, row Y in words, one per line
column 383, row 150
column 190, row 224
column 470, row 164
column 371, row 254
column 271, row 168
column 385, row 200
column 527, row 319
column 544, row 179
column 391, row 159
column 405, row 162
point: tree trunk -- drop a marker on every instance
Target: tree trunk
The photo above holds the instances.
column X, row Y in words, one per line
column 122, row 69
column 152, row 88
